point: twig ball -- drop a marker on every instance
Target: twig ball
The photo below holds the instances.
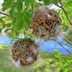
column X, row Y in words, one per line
column 45, row 23
column 24, row 50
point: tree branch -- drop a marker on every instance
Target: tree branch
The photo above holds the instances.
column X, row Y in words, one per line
column 62, row 46
column 64, row 12
column 7, row 15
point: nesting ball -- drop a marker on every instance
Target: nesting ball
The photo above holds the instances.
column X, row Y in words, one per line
column 25, row 51
column 45, row 23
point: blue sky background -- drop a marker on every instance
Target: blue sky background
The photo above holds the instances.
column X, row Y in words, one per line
column 47, row 46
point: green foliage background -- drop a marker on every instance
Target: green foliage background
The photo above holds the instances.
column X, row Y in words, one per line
column 21, row 11
column 18, row 15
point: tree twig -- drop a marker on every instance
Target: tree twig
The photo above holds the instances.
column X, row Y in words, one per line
column 64, row 38
column 64, row 12
column 66, row 44
column 62, row 46
column 7, row 15
column 68, row 41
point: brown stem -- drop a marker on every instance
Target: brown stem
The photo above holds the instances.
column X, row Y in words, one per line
column 64, row 38
column 7, row 15
column 62, row 46
column 64, row 12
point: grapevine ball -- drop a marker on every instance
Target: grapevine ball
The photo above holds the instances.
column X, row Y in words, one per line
column 25, row 51
column 45, row 23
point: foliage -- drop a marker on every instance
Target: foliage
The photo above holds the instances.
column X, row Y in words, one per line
column 21, row 11
column 47, row 63
column 46, row 2
column 68, row 10
column 5, row 22
column 64, row 64
column 18, row 16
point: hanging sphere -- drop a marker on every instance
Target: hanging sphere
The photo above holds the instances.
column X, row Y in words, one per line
column 45, row 23
column 25, row 51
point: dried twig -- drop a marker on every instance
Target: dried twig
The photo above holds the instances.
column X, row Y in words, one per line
column 62, row 46
column 64, row 12
column 68, row 41
column 66, row 44
column 7, row 15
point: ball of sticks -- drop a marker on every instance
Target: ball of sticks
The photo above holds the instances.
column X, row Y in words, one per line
column 45, row 23
column 25, row 51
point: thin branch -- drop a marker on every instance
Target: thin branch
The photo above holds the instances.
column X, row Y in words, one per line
column 66, row 44
column 7, row 15
column 64, row 12
column 68, row 41
column 64, row 38
column 62, row 46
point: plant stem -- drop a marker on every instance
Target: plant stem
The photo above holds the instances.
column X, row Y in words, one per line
column 62, row 46
column 7, row 15
column 64, row 12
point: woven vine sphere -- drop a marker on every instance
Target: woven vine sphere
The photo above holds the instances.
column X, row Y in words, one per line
column 45, row 23
column 24, row 50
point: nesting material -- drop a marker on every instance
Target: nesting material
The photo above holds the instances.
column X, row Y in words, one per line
column 45, row 23
column 25, row 52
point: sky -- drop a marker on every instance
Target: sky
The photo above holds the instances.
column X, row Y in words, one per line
column 1, row 1
column 45, row 46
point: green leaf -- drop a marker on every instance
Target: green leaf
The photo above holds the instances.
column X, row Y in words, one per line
column 46, row 2
column 19, row 5
column 13, row 10
column 7, row 4
column 20, row 23
column 56, row 1
column 28, row 2
column 52, row 62
column 61, row 70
